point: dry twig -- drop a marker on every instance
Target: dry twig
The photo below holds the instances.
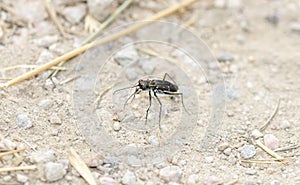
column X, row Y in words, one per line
column 105, row 40
column 50, row 9
column 11, row 152
column 263, row 128
column 269, row 151
column 8, row 169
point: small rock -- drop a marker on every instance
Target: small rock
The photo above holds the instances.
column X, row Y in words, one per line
column 1, row 33
column 49, row 85
column 271, row 141
column 148, row 66
column 54, row 171
column 171, row 174
column 22, row 178
column 273, row 19
column 250, row 172
column 117, row 126
column 100, row 9
column 284, row 124
column 42, row 156
column 46, row 41
column 107, row 181
column 223, row 146
column 6, row 178
column 247, row 151
column 275, row 182
column 219, row 3
column 126, row 56
column 96, row 161
column 227, row 151
column 295, row 27
column 131, row 74
column 23, row 121
column 234, row 3
column 212, row 180
column 256, row 134
column 45, row 56
column 193, row 179
column 74, row 14
column 154, row 140
column 225, row 57
column 54, row 119
column 209, row 159
column 129, row 178
column 45, row 104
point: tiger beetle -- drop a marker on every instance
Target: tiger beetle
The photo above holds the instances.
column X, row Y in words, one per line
column 157, row 87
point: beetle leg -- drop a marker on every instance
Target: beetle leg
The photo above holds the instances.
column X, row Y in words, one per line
column 148, row 106
column 160, row 108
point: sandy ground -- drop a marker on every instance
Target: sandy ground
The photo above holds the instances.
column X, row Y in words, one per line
column 226, row 100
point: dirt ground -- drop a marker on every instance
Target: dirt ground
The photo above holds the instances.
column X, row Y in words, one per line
column 236, row 63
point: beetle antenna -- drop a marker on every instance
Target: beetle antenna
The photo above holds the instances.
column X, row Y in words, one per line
column 124, row 89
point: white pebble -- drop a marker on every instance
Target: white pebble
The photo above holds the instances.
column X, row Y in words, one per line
column 227, row 151
column 54, row 119
column 209, row 159
column 271, row 141
column 193, row 179
column 54, row 171
column 23, row 121
column 247, row 151
column 154, row 140
column 223, row 146
column 74, row 14
column 117, row 126
column 285, row 124
column 129, row 178
column 22, row 178
column 171, row 174
column 107, row 181
column 256, row 134
column 211, row 180
column 45, row 103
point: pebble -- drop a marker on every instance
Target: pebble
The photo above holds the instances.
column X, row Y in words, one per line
column 44, row 57
column 107, row 181
column 22, row 178
column 171, row 173
column 234, row 4
column 54, row 171
column 225, row 57
column 275, row 182
column 193, row 179
column 46, row 41
column 285, row 124
column 223, row 146
column 209, row 159
column 212, row 180
column 74, row 14
column 45, row 104
column 100, row 9
column 55, row 119
column 227, row 151
column 6, row 178
column 271, row 141
column 295, row 26
column 96, row 161
column 131, row 74
column 219, row 3
column 126, row 56
column 250, row 172
column 1, row 33
column 256, row 134
column 42, row 156
column 148, row 66
column 273, row 19
column 23, row 121
column 129, row 178
column 117, row 126
column 247, row 151
column 154, row 140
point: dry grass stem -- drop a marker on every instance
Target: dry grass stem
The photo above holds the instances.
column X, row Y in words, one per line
column 107, row 39
column 269, row 151
column 52, row 13
column 81, row 167
column 9, row 169
column 263, row 128
column 11, row 152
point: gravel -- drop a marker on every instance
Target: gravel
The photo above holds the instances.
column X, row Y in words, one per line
column 45, row 103
column 23, row 121
column 74, row 14
column 250, row 172
column 55, row 119
column 129, row 178
column 107, row 181
column 54, row 171
column 271, row 141
column 170, row 174
column 247, row 151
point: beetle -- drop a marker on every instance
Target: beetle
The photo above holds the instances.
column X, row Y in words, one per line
column 156, row 87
